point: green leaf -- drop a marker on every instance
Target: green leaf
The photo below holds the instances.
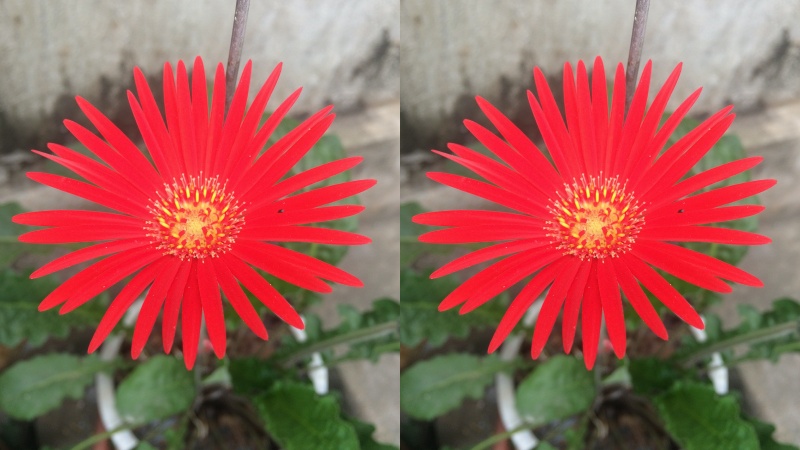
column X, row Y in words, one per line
column 253, row 375
column 410, row 247
column 556, row 389
column 368, row 334
column 159, row 388
column 431, row 388
column 764, row 335
column 420, row 318
column 764, row 432
column 10, row 247
column 653, row 376
column 298, row 419
column 364, row 432
column 20, row 318
column 699, row 419
column 31, row 388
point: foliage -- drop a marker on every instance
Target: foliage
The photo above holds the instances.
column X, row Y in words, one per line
column 438, row 385
column 156, row 389
column 556, row 389
column 33, row 387
column 421, row 320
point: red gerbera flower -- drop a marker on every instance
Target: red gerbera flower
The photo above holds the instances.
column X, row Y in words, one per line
column 600, row 217
column 199, row 216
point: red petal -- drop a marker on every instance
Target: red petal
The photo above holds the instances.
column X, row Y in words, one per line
column 281, row 217
column 309, row 177
column 545, row 173
column 288, row 273
column 704, row 179
column 316, row 197
column 293, row 233
column 694, row 233
column 471, row 217
column 637, row 298
column 724, row 195
column 152, row 304
column 656, row 284
column 678, row 268
column 172, row 304
column 612, row 306
column 301, row 261
column 487, row 253
column 212, row 306
column 520, row 305
column 703, row 262
column 572, row 305
column 532, row 260
column 87, row 253
column 703, row 216
column 263, row 291
column 591, row 315
column 241, row 304
column 191, row 317
column 80, row 233
column 122, row 302
column 109, row 277
column 483, row 233
column 85, row 277
column 138, row 164
column 486, row 191
column 89, row 192
column 565, row 274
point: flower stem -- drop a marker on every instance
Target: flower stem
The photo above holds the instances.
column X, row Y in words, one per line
column 635, row 51
column 487, row 443
column 753, row 337
column 352, row 337
column 235, row 51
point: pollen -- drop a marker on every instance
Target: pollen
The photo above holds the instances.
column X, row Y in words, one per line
column 195, row 218
column 595, row 218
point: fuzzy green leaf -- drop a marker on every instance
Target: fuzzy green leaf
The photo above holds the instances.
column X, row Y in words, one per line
column 369, row 334
column 365, row 439
column 421, row 320
column 763, row 334
column 556, row 389
column 410, row 247
column 33, row 387
column 765, row 439
column 699, row 419
column 299, row 419
column 10, row 247
column 20, row 318
column 159, row 388
column 433, row 387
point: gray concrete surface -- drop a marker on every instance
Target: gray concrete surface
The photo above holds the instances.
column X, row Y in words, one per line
column 344, row 52
column 741, row 51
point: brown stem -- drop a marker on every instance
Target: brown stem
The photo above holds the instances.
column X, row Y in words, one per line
column 635, row 51
column 235, row 51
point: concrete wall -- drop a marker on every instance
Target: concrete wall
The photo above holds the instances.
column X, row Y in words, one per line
column 341, row 51
column 741, row 51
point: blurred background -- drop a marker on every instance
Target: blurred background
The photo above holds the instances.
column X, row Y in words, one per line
column 343, row 52
column 741, row 52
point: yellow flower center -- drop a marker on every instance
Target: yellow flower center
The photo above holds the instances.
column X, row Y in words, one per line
column 594, row 219
column 194, row 219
